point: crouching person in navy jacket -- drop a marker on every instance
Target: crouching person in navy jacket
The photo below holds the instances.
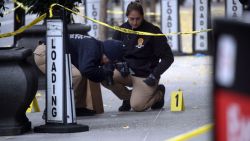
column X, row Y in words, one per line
column 91, row 59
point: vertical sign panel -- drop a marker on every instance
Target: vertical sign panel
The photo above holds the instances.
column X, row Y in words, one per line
column 93, row 11
column 55, row 71
column 170, row 22
column 7, row 25
column 234, row 9
column 201, row 22
column 124, row 8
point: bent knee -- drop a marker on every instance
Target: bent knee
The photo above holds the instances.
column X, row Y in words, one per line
column 138, row 107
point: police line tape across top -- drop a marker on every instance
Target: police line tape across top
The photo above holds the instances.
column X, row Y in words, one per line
column 108, row 11
column 124, row 30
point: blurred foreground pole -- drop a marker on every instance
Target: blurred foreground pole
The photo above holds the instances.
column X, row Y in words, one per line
column 103, row 18
column 231, row 80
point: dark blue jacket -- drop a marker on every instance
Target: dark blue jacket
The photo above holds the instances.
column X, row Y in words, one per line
column 86, row 53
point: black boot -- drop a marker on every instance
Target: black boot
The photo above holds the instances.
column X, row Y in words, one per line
column 44, row 114
column 84, row 112
column 125, row 106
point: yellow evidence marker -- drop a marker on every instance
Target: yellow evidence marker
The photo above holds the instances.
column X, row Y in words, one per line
column 177, row 101
column 34, row 105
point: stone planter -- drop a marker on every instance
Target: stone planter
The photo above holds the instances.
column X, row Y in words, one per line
column 18, row 86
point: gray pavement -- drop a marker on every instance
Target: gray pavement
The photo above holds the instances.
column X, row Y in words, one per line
column 192, row 74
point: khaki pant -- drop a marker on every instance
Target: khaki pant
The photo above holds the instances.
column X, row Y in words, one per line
column 79, row 82
column 142, row 96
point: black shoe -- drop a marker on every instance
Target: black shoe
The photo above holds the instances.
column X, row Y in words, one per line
column 85, row 112
column 125, row 106
column 159, row 104
column 44, row 114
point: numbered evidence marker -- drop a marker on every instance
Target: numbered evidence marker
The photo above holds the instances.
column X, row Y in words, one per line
column 177, row 101
column 34, row 105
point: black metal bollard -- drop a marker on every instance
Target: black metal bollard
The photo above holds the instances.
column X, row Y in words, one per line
column 18, row 86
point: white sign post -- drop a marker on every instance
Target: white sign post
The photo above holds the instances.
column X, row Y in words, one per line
column 60, row 113
column 55, row 86
column 201, row 22
column 234, row 9
column 7, row 25
column 93, row 11
column 170, row 22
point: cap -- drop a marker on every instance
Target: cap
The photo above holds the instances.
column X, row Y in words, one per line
column 113, row 49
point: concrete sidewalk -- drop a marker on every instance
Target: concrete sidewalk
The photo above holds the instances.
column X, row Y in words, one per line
column 192, row 74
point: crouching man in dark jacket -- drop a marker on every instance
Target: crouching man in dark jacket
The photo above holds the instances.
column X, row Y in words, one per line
column 95, row 58
column 92, row 59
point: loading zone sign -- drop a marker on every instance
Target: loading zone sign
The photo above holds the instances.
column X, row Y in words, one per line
column 93, row 11
column 55, row 71
column 170, row 22
column 234, row 9
column 201, row 23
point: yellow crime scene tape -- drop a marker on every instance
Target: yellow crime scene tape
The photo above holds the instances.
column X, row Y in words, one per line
column 193, row 133
column 115, row 12
column 125, row 30
column 21, row 5
column 10, row 11
column 18, row 5
column 117, row 28
column 152, row 14
column 22, row 29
